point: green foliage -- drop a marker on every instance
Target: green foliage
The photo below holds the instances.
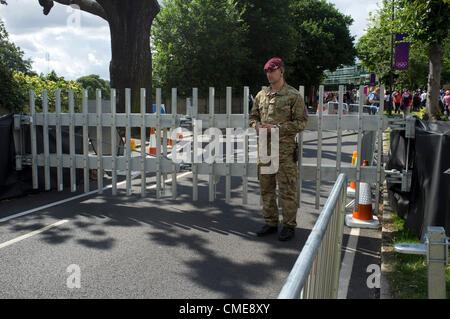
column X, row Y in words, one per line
column 408, row 275
column 92, row 83
column 323, row 41
column 11, row 97
column 40, row 83
column 374, row 49
column 11, row 56
column 11, row 60
column 439, row 116
column 271, row 33
column 198, row 43
column 423, row 20
column 202, row 43
column 445, row 74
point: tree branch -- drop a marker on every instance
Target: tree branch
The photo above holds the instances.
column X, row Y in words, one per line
column 84, row 5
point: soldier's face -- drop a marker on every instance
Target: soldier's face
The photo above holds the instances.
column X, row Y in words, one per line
column 274, row 76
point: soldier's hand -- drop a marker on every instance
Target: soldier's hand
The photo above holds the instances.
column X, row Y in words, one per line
column 266, row 126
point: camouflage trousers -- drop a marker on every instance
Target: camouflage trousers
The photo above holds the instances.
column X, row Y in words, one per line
column 286, row 177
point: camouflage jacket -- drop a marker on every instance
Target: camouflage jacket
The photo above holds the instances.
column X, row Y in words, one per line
column 285, row 108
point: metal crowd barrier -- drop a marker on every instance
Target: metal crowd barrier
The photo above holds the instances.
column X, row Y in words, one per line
column 315, row 274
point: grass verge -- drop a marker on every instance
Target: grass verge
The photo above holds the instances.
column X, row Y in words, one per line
column 408, row 275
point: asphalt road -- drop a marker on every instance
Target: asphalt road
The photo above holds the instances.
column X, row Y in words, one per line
column 132, row 247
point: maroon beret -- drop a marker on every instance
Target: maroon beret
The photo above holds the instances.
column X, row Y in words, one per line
column 273, row 64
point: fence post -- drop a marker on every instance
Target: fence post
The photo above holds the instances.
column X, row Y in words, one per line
column 59, row 170
column 246, row 120
column 437, row 259
column 319, row 146
column 158, row 142
column 113, row 142
column 73, row 176
column 34, row 164
column 195, row 143
column 229, row 145
column 211, row 177
column 98, row 103
column 143, row 139
column 46, row 141
column 174, row 166
column 85, row 141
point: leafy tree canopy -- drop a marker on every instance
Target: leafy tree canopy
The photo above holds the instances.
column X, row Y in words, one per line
column 374, row 48
column 11, row 56
column 11, row 60
column 198, row 43
column 271, row 33
column 92, row 83
column 201, row 43
column 51, row 83
column 323, row 41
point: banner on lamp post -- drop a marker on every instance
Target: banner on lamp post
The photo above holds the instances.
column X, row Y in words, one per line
column 401, row 52
column 372, row 79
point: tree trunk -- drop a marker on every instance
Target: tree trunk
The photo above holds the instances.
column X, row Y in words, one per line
column 131, row 62
column 434, row 80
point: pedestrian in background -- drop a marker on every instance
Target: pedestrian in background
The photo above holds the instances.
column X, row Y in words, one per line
column 374, row 100
column 405, row 103
column 397, row 97
column 447, row 102
column 423, row 99
column 416, row 101
column 388, row 102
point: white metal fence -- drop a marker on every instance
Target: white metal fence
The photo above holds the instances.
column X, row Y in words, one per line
column 162, row 165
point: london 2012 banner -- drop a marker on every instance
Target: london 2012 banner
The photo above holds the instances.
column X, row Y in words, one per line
column 401, row 52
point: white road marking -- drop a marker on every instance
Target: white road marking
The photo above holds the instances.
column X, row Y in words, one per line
column 347, row 264
column 15, row 240
column 74, row 198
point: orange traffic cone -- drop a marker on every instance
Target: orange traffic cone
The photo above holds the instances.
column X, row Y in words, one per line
column 170, row 143
column 324, row 108
column 152, row 147
column 352, row 188
column 363, row 217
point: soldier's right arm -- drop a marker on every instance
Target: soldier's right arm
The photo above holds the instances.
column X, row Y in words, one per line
column 255, row 116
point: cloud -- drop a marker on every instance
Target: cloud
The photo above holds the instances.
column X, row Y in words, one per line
column 359, row 11
column 77, row 42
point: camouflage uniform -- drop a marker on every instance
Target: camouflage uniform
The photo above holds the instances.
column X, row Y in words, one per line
column 285, row 108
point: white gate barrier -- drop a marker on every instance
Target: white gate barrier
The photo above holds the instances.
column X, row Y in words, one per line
column 161, row 164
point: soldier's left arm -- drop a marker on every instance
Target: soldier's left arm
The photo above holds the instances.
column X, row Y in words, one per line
column 299, row 118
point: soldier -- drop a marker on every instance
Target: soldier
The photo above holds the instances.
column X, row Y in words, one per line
column 279, row 106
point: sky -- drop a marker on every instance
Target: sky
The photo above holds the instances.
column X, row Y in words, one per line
column 75, row 43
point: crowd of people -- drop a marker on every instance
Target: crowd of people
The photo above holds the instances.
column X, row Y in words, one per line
column 414, row 101
column 399, row 101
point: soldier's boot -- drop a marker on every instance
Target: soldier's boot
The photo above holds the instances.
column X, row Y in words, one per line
column 287, row 233
column 266, row 230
